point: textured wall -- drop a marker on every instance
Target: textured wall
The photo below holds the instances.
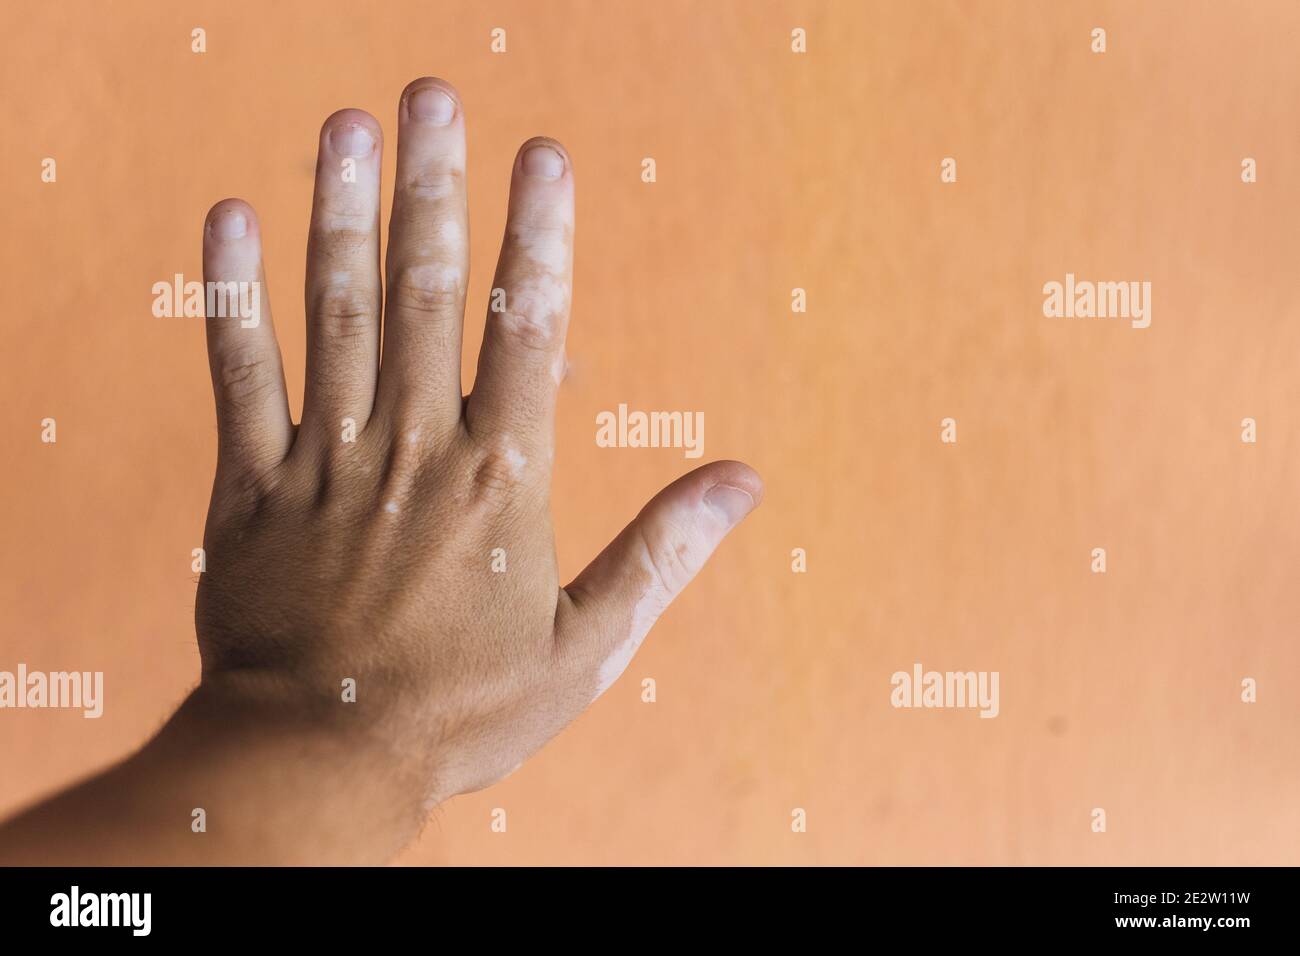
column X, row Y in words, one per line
column 775, row 170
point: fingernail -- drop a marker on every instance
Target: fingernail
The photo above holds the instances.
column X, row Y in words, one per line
column 229, row 224
column 352, row 139
column 730, row 504
column 543, row 162
column 431, row 104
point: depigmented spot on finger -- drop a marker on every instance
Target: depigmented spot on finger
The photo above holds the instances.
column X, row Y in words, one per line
column 676, row 547
column 545, row 296
column 654, row 599
column 451, row 237
column 432, row 277
column 536, row 312
column 545, row 248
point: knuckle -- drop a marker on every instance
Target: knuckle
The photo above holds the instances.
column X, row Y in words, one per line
column 341, row 215
column 496, row 474
column 242, row 376
column 534, row 316
column 531, row 326
column 344, row 313
column 536, row 226
column 340, row 231
column 427, row 288
column 434, row 184
column 249, row 489
column 404, row 459
column 668, row 551
column 339, row 244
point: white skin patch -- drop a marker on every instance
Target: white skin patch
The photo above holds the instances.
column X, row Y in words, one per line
column 548, row 248
column 703, row 529
column 413, row 436
column 434, row 277
column 340, row 223
column 644, row 614
column 390, row 507
column 541, row 300
column 450, row 235
column 515, row 459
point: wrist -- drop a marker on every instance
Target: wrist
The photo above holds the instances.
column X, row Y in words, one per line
column 300, row 779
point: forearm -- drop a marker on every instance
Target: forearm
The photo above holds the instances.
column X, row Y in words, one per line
column 273, row 789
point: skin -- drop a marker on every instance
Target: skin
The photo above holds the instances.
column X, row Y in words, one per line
column 371, row 560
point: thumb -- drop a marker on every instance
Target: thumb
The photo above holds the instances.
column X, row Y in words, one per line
column 618, row 597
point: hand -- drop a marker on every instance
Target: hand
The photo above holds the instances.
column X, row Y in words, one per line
column 380, row 622
column 360, row 545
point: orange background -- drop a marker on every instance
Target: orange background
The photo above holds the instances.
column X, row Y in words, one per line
column 775, row 170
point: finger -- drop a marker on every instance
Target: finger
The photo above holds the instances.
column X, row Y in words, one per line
column 522, row 360
column 427, row 266
column 618, row 597
column 343, row 289
column 254, row 430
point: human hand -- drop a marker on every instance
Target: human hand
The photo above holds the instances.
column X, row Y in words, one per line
column 360, row 544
